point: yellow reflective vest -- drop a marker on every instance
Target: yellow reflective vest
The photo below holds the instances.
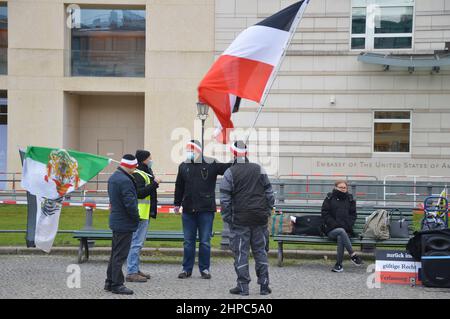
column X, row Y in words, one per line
column 144, row 204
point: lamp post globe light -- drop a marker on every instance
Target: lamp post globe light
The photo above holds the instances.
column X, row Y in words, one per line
column 202, row 114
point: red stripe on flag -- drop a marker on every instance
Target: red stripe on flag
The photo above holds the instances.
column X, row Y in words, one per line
column 239, row 76
column 233, row 75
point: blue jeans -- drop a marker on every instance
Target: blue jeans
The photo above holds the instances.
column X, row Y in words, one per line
column 203, row 224
column 136, row 245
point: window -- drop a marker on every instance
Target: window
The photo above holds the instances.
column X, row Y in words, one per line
column 108, row 42
column 392, row 131
column 3, row 111
column 382, row 24
column 3, row 136
column 3, row 38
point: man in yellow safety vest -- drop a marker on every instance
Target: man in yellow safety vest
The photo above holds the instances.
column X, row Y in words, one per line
column 146, row 184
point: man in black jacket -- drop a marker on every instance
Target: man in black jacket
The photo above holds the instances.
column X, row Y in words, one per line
column 146, row 184
column 195, row 191
column 247, row 200
column 123, row 221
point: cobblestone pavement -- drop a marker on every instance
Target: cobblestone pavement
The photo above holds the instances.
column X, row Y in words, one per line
column 47, row 277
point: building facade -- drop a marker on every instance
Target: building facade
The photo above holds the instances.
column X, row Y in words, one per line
column 338, row 115
column 111, row 76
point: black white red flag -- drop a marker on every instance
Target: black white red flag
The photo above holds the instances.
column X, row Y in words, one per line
column 244, row 69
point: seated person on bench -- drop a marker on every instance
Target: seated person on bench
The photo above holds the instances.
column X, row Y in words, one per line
column 339, row 214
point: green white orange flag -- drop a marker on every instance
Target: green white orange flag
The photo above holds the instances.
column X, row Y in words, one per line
column 53, row 172
column 49, row 174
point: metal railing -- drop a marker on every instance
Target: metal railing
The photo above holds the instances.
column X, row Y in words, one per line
column 300, row 193
column 292, row 190
column 415, row 179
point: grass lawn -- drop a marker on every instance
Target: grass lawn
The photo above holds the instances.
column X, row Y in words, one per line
column 14, row 217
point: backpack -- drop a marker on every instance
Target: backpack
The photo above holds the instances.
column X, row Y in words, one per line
column 377, row 225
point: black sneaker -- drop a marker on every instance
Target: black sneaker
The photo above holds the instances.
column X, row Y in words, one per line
column 337, row 268
column 205, row 274
column 122, row 290
column 265, row 290
column 239, row 291
column 184, row 275
column 357, row 260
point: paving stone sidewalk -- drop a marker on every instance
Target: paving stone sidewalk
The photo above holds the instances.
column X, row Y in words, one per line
column 34, row 276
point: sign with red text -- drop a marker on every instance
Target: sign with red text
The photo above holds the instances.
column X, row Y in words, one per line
column 397, row 267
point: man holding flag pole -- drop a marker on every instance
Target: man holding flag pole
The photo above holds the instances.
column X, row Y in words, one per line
column 247, row 69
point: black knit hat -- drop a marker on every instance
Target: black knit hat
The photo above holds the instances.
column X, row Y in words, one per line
column 129, row 157
column 142, row 155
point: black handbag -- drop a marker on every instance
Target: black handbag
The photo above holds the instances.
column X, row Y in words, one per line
column 398, row 228
column 310, row 225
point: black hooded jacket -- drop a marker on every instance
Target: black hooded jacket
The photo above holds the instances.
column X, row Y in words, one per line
column 339, row 211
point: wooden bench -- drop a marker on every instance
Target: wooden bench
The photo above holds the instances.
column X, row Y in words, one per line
column 362, row 213
column 85, row 235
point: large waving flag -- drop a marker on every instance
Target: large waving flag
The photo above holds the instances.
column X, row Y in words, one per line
column 244, row 69
column 52, row 172
column 49, row 174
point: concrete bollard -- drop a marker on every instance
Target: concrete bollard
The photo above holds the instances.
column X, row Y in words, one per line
column 89, row 223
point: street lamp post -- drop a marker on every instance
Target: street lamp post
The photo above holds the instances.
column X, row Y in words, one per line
column 202, row 113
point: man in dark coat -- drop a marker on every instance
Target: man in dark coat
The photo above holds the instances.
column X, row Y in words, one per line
column 195, row 191
column 146, row 184
column 247, row 199
column 123, row 221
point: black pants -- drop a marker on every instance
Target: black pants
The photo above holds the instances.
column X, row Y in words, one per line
column 242, row 238
column 121, row 243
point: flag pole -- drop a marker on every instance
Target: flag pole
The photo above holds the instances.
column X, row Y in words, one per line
column 294, row 26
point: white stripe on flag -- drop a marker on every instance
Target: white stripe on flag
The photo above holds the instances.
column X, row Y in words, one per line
column 259, row 43
column 34, row 182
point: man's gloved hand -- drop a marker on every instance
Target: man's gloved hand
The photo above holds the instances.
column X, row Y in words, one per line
column 176, row 210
